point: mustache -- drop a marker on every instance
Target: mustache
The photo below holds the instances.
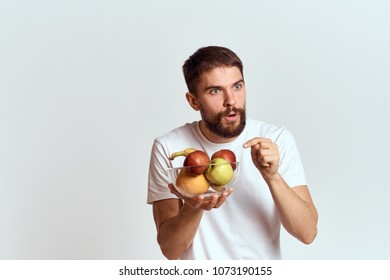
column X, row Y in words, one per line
column 233, row 110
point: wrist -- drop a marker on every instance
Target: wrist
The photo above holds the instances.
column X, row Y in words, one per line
column 275, row 179
column 188, row 208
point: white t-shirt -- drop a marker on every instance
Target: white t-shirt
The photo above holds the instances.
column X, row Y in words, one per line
column 247, row 225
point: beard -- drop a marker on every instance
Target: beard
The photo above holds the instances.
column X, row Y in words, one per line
column 216, row 125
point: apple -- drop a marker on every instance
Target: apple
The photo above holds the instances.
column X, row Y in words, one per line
column 197, row 162
column 220, row 172
column 226, row 155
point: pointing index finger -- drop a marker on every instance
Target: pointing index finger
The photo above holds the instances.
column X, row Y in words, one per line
column 256, row 140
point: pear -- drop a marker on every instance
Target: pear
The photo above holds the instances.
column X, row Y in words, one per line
column 220, row 172
column 190, row 185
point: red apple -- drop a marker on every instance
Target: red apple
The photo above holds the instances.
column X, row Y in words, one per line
column 197, row 162
column 226, row 155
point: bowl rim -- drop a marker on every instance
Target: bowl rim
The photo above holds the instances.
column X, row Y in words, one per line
column 172, row 172
column 211, row 164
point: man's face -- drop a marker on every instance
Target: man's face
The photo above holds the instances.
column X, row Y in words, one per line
column 221, row 97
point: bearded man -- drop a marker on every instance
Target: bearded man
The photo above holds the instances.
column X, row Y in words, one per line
column 271, row 188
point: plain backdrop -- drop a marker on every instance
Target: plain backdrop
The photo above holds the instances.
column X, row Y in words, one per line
column 86, row 86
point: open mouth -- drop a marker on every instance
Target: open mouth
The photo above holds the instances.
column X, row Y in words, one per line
column 232, row 116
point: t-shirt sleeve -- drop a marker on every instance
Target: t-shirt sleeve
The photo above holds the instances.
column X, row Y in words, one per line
column 158, row 178
column 291, row 167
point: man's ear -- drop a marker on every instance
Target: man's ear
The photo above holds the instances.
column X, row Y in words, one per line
column 193, row 101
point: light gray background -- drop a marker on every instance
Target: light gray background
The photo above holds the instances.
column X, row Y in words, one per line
column 85, row 87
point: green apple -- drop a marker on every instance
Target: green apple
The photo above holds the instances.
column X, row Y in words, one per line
column 220, row 172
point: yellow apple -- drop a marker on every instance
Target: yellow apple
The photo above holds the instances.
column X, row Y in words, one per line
column 220, row 172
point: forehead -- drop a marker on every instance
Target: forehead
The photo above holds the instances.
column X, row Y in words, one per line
column 220, row 76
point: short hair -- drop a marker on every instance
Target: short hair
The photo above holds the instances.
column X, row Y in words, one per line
column 206, row 59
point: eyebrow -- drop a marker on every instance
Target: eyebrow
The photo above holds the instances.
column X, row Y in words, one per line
column 211, row 87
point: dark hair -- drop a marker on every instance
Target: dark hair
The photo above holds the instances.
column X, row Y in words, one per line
column 206, row 59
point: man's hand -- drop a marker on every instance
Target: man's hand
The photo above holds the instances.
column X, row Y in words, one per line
column 200, row 202
column 265, row 156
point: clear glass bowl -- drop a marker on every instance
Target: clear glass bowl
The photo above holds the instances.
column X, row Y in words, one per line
column 216, row 179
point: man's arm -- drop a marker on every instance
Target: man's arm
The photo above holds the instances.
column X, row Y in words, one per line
column 176, row 225
column 295, row 206
column 296, row 209
column 177, row 220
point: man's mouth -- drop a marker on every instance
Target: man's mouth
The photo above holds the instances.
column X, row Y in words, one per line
column 232, row 115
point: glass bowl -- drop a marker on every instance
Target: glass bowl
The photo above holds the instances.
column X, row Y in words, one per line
column 204, row 180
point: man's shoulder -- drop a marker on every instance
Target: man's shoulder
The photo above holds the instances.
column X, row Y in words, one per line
column 276, row 133
column 264, row 128
column 178, row 132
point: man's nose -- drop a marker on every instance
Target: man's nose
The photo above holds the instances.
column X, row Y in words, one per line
column 230, row 99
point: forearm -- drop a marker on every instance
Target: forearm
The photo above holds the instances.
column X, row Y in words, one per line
column 296, row 210
column 176, row 234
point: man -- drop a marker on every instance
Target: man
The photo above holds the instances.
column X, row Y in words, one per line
column 270, row 190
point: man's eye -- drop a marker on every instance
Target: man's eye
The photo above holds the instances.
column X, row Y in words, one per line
column 215, row 91
column 237, row 86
